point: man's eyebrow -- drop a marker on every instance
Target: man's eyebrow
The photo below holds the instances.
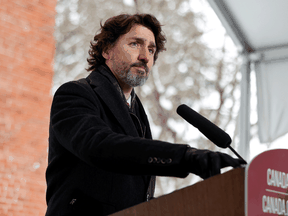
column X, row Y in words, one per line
column 138, row 39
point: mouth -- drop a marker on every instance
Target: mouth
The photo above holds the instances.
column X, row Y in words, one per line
column 141, row 69
column 140, row 66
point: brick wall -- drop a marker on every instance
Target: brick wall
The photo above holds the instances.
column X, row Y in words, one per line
column 26, row 55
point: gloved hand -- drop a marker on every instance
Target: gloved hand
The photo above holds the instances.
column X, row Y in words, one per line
column 206, row 163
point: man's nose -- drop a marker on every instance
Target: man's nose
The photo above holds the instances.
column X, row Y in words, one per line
column 144, row 55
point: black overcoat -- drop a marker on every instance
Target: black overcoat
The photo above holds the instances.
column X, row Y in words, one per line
column 97, row 162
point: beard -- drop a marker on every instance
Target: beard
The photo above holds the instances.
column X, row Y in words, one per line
column 128, row 77
column 135, row 80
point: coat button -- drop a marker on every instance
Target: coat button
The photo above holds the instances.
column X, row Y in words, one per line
column 154, row 160
column 72, row 201
column 163, row 161
column 150, row 160
column 169, row 160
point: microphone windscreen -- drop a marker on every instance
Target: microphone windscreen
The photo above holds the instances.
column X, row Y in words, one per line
column 210, row 130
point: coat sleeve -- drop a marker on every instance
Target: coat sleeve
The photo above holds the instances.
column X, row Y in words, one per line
column 78, row 126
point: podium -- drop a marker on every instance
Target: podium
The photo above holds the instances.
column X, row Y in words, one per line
column 261, row 188
column 219, row 195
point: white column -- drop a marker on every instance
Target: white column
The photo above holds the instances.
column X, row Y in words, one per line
column 244, row 113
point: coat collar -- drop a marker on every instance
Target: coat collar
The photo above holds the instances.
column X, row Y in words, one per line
column 105, row 84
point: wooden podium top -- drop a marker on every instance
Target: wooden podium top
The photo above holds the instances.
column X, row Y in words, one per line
column 219, row 195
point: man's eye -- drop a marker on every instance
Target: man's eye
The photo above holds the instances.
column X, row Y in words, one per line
column 134, row 44
column 151, row 51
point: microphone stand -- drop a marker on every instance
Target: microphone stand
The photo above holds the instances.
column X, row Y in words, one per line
column 236, row 153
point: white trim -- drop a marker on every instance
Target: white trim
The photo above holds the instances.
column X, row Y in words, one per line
column 244, row 112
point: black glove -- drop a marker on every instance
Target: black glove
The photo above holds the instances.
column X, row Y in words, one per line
column 205, row 163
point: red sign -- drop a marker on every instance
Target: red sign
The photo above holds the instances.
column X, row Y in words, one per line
column 266, row 184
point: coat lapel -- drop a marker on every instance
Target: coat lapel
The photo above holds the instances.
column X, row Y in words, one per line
column 106, row 87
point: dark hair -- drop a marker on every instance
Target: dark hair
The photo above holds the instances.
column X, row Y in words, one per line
column 119, row 25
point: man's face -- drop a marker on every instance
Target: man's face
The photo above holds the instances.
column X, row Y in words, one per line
column 132, row 57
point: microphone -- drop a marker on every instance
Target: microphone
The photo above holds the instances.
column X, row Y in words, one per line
column 206, row 127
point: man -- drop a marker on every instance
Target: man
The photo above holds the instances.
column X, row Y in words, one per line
column 102, row 158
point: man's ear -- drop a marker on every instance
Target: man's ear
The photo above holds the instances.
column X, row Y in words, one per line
column 106, row 55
